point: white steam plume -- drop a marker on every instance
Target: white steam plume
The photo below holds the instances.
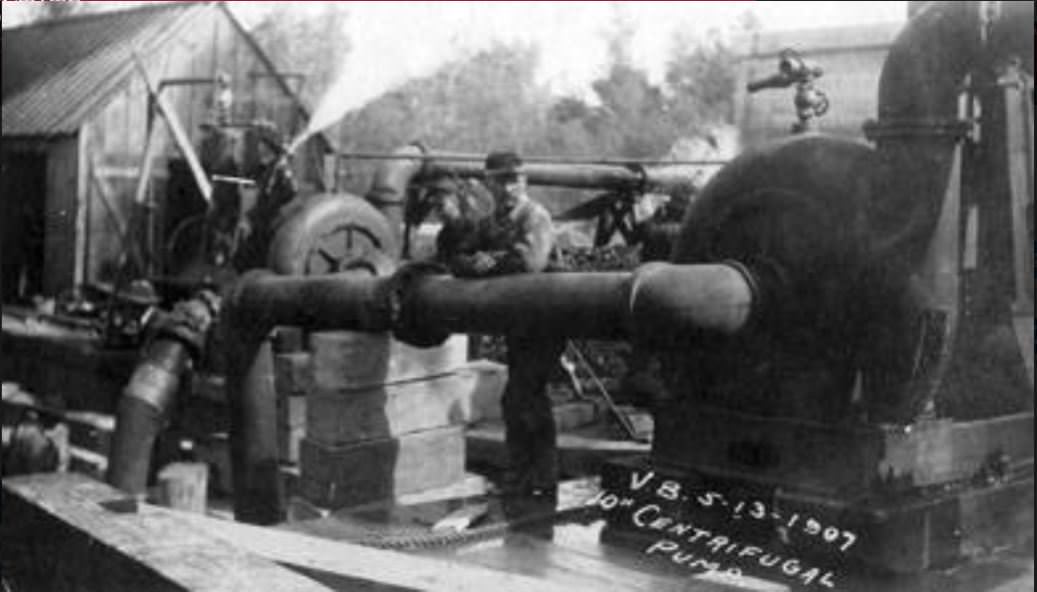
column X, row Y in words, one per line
column 401, row 47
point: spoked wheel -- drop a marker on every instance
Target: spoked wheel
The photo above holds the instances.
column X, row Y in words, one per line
column 332, row 234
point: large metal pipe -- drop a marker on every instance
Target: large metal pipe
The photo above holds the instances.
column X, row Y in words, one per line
column 613, row 177
column 918, row 125
column 662, row 304
column 673, row 299
column 410, row 163
column 143, row 409
column 804, row 217
column 946, row 49
column 142, row 413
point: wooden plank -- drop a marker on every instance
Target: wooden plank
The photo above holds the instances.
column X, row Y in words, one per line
column 611, row 569
column 183, row 142
column 387, row 567
column 82, row 223
column 386, row 411
column 907, row 533
column 130, row 248
column 59, row 534
column 339, row 476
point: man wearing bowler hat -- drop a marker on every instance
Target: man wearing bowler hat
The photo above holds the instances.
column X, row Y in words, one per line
column 518, row 237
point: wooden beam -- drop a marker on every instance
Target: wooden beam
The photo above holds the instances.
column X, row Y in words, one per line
column 82, row 224
column 386, row 567
column 177, row 129
column 129, row 243
column 69, row 532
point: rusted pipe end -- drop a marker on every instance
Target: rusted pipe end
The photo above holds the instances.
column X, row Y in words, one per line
column 671, row 305
column 142, row 413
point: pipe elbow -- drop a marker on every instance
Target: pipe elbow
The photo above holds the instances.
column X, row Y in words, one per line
column 239, row 313
column 672, row 304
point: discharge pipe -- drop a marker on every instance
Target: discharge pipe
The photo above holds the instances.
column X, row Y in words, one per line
column 143, row 409
column 919, row 125
column 413, row 163
column 661, row 304
column 946, row 48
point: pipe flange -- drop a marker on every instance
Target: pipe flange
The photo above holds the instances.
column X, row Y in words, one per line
column 954, row 129
column 189, row 321
column 406, row 326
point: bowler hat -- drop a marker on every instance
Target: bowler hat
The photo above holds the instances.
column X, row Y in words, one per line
column 503, row 163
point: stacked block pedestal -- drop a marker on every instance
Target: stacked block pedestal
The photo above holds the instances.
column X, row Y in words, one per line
column 382, row 419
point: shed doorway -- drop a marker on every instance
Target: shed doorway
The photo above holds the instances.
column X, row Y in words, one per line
column 23, row 195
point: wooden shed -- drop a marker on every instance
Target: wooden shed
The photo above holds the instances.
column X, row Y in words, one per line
column 852, row 59
column 76, row 117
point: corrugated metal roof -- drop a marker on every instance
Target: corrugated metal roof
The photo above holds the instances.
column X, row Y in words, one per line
column 57, row 72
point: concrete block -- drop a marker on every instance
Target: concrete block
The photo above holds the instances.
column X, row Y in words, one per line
column 348, row 360
column 344, row 360
column 471, row 485
column 340, row 476
column 300, row 509
column 339, row 417
column 487, row 381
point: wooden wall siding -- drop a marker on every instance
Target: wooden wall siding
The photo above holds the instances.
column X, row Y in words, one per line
column 118, row 135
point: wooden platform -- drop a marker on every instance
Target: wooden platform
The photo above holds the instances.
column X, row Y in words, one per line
column 69, row 532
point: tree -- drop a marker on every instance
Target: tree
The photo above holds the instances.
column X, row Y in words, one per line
column 489, row 98
column 635, row 118
column 700, row 79
column 311, row 43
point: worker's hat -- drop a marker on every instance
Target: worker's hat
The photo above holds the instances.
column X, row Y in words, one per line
column 267, row 133
column 503, row 163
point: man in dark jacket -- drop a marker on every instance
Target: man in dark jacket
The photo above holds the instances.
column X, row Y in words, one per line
column 518, row 237
column 275, row 187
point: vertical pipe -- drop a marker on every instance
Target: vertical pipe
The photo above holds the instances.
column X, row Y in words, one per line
column 142, row 413
column 258, row 491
